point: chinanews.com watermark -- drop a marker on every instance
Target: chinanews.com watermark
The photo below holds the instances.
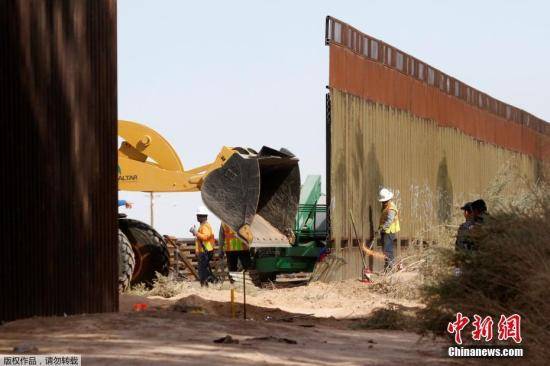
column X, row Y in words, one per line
column 483, row 336
column 484, row 351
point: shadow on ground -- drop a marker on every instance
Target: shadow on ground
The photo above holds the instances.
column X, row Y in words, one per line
column 184, row 332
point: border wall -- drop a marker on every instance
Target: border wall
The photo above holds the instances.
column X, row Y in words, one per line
column 58, row 109
column 395, row 121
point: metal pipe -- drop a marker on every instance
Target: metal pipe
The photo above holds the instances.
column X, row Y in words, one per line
column 244, row 294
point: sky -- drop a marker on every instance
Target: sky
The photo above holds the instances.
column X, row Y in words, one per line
column 205, row 74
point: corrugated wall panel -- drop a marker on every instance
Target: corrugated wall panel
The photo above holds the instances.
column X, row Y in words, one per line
column 58, row 107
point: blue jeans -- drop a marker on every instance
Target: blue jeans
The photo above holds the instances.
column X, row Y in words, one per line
column 387, row 242
column 205, row 272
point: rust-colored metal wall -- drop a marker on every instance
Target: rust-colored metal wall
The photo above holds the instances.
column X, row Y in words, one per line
column 369, row 68
column 58, row 109
column 391, row 125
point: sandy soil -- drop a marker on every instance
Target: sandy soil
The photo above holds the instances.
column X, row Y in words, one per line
column 310, row 325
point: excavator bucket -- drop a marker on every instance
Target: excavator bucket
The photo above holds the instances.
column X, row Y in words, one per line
column 256, row 195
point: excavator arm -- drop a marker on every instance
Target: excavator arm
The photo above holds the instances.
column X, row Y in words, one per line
column 256, row 194
column 148, row 163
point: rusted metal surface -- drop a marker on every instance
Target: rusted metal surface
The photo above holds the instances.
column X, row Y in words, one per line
column 58, row 107
column 370, row 68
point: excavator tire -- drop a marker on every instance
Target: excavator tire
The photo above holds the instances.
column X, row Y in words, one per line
column 150, row 251
column 126, row 262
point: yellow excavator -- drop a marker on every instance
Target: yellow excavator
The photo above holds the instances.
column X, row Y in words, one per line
column 255, row 193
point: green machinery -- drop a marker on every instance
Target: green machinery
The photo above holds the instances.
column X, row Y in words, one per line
column 311, row 233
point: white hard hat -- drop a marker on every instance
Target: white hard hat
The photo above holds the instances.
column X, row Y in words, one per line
column 385, row 195
column 201, row 210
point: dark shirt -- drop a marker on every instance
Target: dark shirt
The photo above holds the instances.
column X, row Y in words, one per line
column 463, row 239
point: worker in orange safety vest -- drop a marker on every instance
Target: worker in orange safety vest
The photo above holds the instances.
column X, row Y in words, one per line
column 204, row 246
column 235, row 249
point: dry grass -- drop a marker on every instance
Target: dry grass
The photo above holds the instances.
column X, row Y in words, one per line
column 163, row 286
column 401, row 284
column 509, row 273
column 392, row 317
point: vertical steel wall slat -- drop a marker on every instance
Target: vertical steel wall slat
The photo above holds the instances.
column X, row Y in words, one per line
column 58, row 107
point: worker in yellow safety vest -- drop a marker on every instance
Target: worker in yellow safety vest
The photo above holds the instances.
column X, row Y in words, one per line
column 235, row 249
column 389, row 225
column 204, row 246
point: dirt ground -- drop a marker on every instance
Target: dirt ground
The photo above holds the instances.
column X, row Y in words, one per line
column 319, row 324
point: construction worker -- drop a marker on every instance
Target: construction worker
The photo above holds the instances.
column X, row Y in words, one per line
column 125, row 203
column 463, row 239
column 389, row 225
column 204, row 246
column 235, row 249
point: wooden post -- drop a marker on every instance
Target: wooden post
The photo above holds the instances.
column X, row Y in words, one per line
column 182, row 256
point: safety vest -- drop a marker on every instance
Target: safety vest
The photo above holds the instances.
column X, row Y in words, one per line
column 394, row 226
column 205, row 237
column 231, row 240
